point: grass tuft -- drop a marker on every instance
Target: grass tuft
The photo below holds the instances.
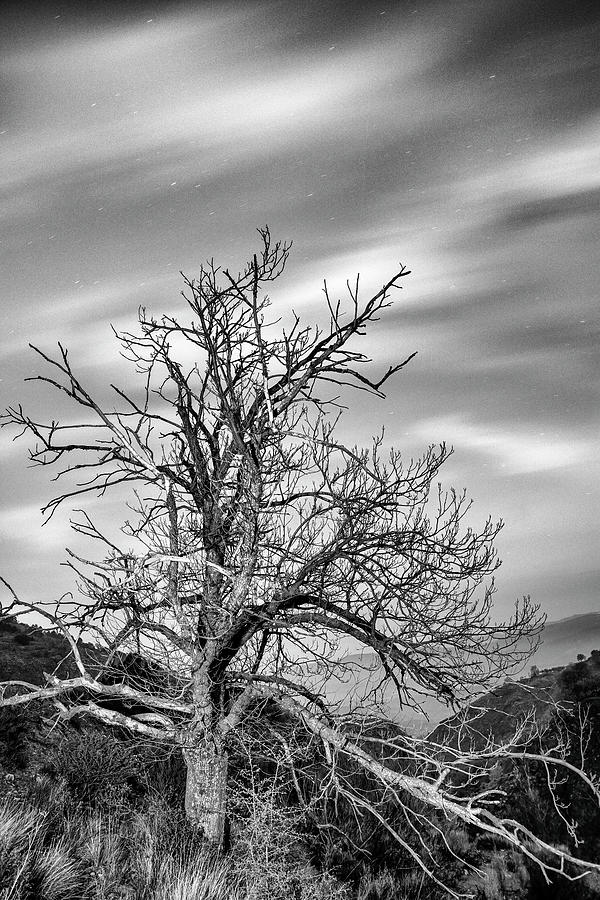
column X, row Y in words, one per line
column 193, row 879
column 56, row 874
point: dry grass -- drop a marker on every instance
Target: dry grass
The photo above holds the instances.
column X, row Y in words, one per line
column 56, row 874
column 194, row 879
column 78, row 853
column 32, row 863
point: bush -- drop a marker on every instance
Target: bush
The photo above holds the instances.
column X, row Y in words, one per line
column 95, row 767
column 504, row 875
column 19, row 731
column 269, row 857
column 23, row 638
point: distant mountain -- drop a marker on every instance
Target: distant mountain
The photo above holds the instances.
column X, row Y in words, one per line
column 563, row 640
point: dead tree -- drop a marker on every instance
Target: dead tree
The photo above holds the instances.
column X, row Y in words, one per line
column 265, row 550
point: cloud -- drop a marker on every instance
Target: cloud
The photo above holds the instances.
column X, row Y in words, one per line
column 564, row 172
column 86, row 313
column 21, row 525
column 516, row 450
column 538, row 212
column 142, row 98
column 453, row 143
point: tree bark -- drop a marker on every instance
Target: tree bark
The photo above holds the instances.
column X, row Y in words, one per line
column 206, row 790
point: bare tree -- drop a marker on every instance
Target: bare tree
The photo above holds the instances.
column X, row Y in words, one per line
column 265, row 550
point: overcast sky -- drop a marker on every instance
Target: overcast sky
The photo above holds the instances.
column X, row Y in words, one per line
column 460, row 138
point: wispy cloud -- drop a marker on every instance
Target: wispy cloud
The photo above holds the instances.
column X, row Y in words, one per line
column 514, row 451
column 249, row 109
column 21, row 526
column 461, row 141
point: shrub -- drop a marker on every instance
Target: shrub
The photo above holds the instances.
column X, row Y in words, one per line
column 269, row 856
column 23, row 638
column 94, row 765
column 19, row 733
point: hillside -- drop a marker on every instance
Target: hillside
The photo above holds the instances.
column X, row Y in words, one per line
column 106, row 772
column 497, row 713
column 562, row 641
column 26, row 652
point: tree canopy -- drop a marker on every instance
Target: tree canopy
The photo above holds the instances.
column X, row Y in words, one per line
column 265, row 551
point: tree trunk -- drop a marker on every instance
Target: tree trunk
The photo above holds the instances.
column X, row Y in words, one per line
column 206, row 790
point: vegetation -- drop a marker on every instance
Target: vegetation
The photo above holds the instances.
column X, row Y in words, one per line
column 86, row 812
column 53, row 848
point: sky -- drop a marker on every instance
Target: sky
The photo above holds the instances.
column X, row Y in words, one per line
column 459, row 138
